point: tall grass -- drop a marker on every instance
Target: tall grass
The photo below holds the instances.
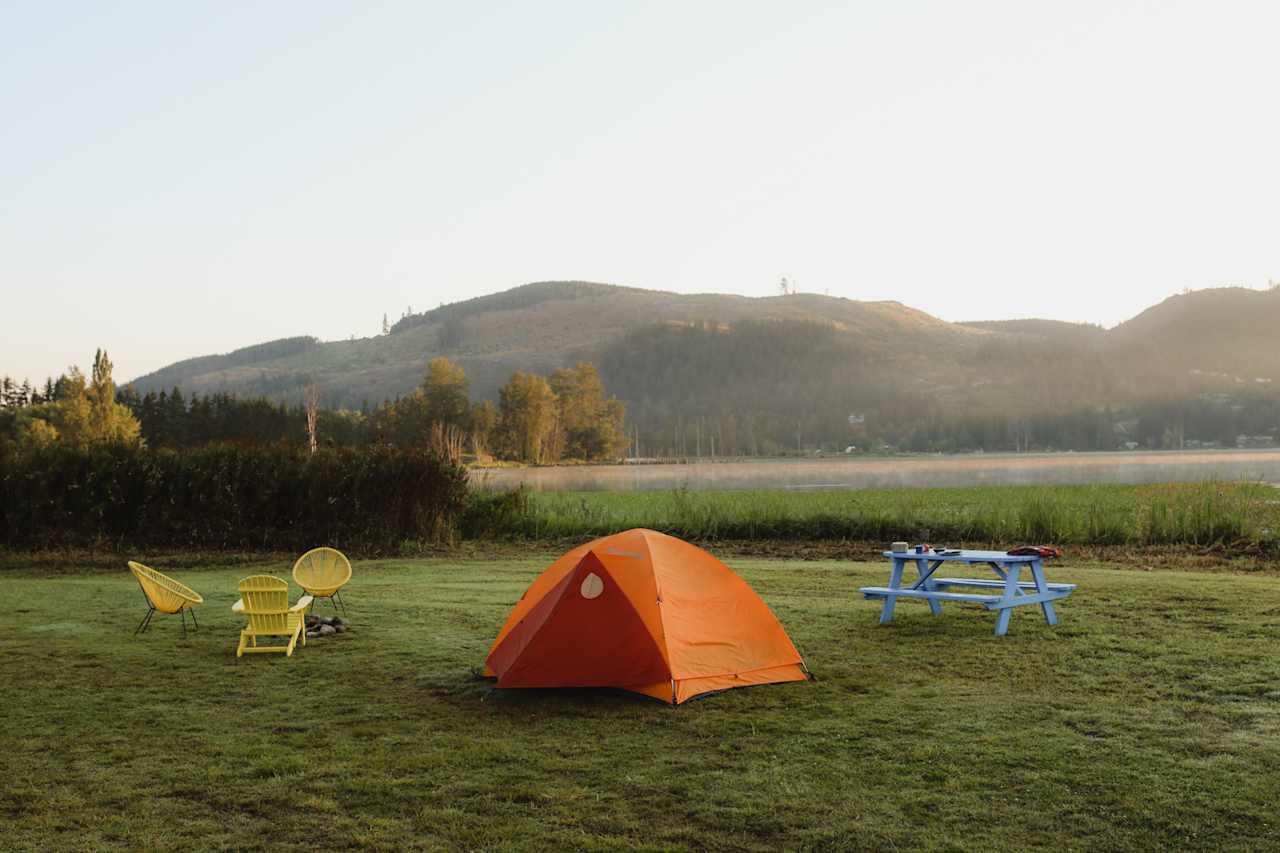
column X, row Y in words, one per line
column 1204, row 514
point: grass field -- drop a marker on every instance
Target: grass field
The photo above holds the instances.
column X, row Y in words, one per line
column 1229, row 515
column 1148, row 719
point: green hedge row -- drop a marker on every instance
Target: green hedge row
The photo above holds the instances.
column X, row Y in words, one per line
column 369, row 500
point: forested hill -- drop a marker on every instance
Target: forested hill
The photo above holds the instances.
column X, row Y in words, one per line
column 535, row 327
column 189, row 372
column 804, row 359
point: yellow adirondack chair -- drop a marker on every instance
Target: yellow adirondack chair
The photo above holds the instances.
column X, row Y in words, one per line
column 164, row 595
column 322, row 572
column 265, row 601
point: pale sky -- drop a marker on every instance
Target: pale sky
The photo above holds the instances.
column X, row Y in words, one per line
column 178, row 179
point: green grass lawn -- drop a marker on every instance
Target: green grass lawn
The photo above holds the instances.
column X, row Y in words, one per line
column 1149, row 718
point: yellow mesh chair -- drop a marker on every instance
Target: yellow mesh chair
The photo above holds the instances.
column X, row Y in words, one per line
column 164, row 595
column 264, row 600
column 322, row 572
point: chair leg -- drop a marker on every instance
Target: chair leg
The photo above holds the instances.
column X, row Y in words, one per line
column 182, row 611
column 146, row 620
column 195, row 624
column 337, row 596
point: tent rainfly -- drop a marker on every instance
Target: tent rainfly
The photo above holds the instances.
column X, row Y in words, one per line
column 645, row 612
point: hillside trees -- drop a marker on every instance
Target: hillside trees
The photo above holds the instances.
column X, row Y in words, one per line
column 789, row 387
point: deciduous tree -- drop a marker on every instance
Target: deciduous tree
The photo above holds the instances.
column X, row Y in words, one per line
column 590, row 426
column 484, row 423
column 447, row 393
column 527, row 419
column 88, row 412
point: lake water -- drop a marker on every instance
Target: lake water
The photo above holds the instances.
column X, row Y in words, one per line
column 886, row 472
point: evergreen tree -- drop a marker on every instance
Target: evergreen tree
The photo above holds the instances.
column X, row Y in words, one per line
column 62, row 386
column 175, row 419
column 407, row 421
column 128, row 397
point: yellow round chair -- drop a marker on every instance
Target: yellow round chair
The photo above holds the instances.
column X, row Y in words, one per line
column 322, row 573
column 164, row 595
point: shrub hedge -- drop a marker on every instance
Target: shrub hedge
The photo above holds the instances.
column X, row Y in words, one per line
column 369, row 500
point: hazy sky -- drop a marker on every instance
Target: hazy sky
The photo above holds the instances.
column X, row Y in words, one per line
column 182, row 178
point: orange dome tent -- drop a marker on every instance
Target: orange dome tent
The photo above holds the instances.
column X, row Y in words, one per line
column 644, row 612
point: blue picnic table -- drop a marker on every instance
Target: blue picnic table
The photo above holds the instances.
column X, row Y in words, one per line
column 1004, row 593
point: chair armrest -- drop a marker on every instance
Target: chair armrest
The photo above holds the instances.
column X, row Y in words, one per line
column 303, row 603
column 238, row 607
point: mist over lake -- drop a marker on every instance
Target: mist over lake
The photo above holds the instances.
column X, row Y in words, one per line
column 913, row 471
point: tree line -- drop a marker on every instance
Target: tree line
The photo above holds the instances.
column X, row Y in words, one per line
column 74, row 411
column 754, row 389
column 537, row 419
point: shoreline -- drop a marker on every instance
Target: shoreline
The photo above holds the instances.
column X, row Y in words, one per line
column 835, row 473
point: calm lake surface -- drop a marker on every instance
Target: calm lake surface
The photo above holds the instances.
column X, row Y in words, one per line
column 990, row 469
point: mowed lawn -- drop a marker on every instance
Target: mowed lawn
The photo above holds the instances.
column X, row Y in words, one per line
column 1149, row 718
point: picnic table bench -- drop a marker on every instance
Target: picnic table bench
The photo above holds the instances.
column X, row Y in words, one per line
column 1005, row 593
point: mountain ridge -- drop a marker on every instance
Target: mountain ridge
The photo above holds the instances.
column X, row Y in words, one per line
column 544, row 325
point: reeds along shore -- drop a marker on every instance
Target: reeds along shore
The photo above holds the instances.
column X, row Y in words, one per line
column 1202, row 514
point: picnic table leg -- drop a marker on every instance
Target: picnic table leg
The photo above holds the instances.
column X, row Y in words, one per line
column 926, row 582
column 1042, row 587
column 1010, row 590
column 895, row 582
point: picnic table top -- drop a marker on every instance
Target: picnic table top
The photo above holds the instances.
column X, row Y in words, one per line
column 966, row 556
